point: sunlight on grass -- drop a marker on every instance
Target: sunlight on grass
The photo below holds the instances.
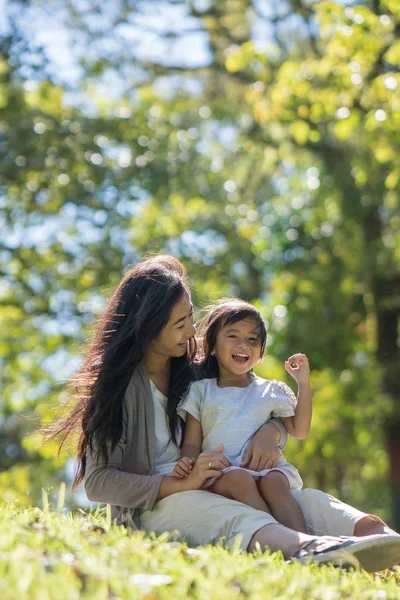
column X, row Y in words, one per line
column 52, row 555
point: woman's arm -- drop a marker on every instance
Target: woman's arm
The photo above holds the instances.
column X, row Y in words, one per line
column 110, row 485
column 282, row 436
column 106, row 482
column 263, row 451
column 208, row 465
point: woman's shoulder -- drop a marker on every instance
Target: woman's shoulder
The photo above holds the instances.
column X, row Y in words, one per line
column 139, row 377
column 139, row 384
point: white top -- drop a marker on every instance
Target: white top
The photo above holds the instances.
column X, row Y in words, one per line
column 232, row 415
column 166, row 453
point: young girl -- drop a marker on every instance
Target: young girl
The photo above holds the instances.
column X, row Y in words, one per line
column 232, row 405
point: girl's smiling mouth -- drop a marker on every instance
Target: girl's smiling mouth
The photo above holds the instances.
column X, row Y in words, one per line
column 240, row 357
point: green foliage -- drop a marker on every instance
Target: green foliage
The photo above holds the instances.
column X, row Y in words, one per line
column 272, row 172
column 93, row 560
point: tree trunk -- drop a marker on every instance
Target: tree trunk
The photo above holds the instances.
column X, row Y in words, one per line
column 387, row 298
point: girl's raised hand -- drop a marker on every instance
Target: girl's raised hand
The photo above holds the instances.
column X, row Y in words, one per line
column 298, row 367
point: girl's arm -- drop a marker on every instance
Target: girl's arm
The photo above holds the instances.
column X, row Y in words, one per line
column 299, row 425
column 193, row 438
column 191, row 447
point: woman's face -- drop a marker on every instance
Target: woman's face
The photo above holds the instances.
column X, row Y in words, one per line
column 172, row 341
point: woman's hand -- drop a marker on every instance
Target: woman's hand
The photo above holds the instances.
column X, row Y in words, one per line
column 208, row 465
column 263, row 452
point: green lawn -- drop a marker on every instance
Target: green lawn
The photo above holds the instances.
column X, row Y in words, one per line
column 51, row 556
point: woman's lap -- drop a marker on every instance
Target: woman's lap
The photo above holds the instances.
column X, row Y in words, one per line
column 204, row 518
column 326, row 515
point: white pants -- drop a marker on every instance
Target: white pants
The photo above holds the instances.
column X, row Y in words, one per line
column 205, row 518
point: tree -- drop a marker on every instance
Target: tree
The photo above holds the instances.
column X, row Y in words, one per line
column 270, row 169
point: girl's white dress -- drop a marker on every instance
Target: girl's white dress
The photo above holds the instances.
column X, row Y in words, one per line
column 232, row 415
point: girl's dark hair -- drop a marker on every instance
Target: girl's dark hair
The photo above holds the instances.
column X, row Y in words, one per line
column 136, row 313
column 226, row 311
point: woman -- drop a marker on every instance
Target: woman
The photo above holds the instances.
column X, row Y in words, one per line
column 136, row 370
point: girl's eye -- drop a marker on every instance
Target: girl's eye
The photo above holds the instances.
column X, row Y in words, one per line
column 181, row 327
column 232, row 336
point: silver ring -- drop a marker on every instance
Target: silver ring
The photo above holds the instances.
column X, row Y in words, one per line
column 210, row 465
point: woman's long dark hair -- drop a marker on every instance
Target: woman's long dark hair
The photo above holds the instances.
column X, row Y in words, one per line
column 226, row 311
column 136, row 313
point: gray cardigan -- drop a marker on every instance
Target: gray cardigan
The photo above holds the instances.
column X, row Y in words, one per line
column 127, row 481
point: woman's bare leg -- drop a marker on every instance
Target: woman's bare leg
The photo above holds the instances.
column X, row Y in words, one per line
column 277, row 537
column 371, row 525
column 241, row 486
column 274, row 488
column 372, row 553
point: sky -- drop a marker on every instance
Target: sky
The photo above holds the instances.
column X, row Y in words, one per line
column 48, row 24
column 149, row 32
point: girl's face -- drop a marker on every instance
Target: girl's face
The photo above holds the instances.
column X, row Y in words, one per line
column 172, row 341
column 238, row 348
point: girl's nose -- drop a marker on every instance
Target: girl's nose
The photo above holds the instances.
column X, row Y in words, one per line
column 244, row 343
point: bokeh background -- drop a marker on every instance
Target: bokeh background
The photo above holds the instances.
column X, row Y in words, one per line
column 256, row 140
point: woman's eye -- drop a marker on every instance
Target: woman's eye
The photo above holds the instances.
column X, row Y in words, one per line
column 181, row 326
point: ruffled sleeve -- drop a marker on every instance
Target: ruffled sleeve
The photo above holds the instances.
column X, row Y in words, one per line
column 285, row 400
column 192, row 402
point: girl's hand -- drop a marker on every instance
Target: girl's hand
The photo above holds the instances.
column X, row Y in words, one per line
column 297, row 366
column 208, row 464
column 183, row 467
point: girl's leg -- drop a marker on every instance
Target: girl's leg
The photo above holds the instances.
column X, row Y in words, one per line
column 274, row 488
column 240, row 486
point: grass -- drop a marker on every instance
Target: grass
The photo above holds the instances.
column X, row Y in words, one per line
column 49, row 555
